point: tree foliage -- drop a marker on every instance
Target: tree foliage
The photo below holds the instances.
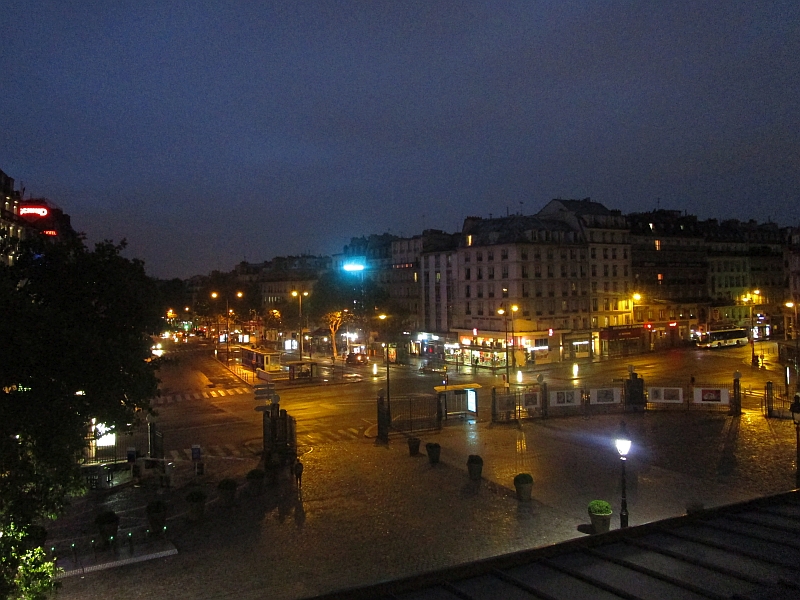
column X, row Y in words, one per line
column 76, row 346
column 361, row 297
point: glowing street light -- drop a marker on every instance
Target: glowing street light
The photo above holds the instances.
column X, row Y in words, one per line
column 228, row 311
column 623, row 444
column 299, row 296
column 750, row 299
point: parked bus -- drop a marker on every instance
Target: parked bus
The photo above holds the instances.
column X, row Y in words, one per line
column 723, row 337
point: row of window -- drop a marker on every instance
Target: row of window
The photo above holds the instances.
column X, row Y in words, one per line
column 573, row 271
column 549, row 253
column 540, row 307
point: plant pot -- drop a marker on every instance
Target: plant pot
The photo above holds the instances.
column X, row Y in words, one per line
column 524, row 491
column 474, row 467
column 157, row 516
column 107, row 525
column 433, row 449
column 413, row 446
column 600, row 523
column 228, row 497
column 255, row 485
column 196, row 510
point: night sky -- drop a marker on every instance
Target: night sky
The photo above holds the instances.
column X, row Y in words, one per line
column 207, row 133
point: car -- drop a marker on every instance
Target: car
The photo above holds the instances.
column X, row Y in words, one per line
column 356, row 358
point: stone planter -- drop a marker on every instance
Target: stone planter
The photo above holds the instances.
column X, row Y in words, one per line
column 600, row 523
column 107, row 525
column 157, row 516
column 600, row 515
column 197, row 505
column 475, row 467
column 227, row 491
column 413, row 446
column 433, row 449
column 255, row 482
column 523, row 484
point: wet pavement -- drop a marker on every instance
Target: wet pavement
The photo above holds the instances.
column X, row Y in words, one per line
column 369, row 512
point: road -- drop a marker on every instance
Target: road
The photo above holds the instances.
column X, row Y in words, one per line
column 204, row 403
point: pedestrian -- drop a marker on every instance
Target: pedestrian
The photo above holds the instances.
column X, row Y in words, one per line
column 298, row 472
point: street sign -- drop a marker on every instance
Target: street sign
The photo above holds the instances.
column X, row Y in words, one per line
column 196, row 452
column 264, row 390
column 262, row 408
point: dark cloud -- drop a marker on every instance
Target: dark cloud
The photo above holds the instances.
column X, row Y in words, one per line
column 213, row 132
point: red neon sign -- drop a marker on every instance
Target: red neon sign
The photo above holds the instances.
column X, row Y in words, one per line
column 37, row 211
column 49, row 232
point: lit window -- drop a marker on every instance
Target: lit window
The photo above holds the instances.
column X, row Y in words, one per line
column 658, row 245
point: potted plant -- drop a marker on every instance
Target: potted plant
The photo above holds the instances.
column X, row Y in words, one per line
column 433, row 449
column 474, row 467
column 157, row 516
column 227, row 491
column 107, row 524
column 197, row 504
column 523, row 484
column 413, row 446
column 600, row 515
column 255, row 481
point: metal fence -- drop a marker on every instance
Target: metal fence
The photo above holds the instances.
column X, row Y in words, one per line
column 777, row 400
column 415, row 413
column 544, row 401
column 106, row 449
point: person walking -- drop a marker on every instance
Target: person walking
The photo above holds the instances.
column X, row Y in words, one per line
column 298, row 472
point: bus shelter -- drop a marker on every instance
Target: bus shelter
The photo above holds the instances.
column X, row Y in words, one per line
column 458, row 400
column 300, row 370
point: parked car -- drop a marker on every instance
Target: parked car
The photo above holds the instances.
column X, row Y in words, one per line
column 355, row 358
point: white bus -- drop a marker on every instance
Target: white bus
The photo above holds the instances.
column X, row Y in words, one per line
column 723, row 337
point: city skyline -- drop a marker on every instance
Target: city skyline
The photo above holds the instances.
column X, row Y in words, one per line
column 210, row 135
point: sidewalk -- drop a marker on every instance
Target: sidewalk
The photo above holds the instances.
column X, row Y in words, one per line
column 369, row 512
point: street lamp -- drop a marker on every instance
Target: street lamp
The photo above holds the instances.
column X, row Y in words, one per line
column 215, row 295
column 796, row 339
column 388, row 402
column 750, row 299
column 501, row 311
column 299, row 296
column 795, row 408
column 623, row 444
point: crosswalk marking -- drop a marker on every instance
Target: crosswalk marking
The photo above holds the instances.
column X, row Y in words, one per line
column 188, row 396
column 218, row 451
column 330, row 436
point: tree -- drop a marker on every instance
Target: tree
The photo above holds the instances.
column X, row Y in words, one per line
column 339, row 298
column 333, row 321
column 76, row 342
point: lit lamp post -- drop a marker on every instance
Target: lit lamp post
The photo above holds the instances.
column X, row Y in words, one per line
column 215, row 295
column 502, row 312
column 796, row 340
column 623, row 444
column 749, row 299
column 795, row 408
column 299, row 296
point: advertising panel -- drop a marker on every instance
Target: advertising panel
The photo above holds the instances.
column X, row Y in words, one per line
column 667, row 395
column 605, row 396
column 709, row 395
